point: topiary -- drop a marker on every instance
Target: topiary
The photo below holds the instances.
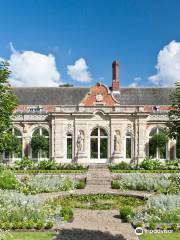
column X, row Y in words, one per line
column 126, row 213
column 66, row 213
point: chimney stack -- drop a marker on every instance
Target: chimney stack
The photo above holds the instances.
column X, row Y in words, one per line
column 115, row 76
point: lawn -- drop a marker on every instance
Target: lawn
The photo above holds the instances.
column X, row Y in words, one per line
column 160, row 236
column 97, row 201
column 32, row 236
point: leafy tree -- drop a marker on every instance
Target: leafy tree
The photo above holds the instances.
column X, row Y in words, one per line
column 174, row 114
column 159, row 141
column 39, row 143
column 8, row 103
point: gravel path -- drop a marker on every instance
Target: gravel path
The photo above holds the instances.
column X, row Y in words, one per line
column 96, row 225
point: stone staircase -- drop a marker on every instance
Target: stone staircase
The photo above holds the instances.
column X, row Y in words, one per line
column 98, row 176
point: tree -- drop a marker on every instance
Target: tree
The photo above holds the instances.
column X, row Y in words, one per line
column 174, row 113
column 8, row 103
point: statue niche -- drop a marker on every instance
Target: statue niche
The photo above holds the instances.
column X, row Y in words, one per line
column 117, row 141
column 80, row 142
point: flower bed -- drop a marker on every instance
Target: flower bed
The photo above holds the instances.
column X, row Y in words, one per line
column 38, row 184
column 161, row 211
column 18, row 211
column 165, row 183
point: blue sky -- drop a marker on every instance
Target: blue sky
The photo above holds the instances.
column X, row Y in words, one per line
column 97, row 31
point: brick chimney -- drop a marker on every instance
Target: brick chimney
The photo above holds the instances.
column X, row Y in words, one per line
column 115, row 76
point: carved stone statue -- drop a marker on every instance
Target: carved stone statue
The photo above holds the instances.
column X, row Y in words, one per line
column 80, row 142
column 117, row 139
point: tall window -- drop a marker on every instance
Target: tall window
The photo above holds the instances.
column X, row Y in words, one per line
column 156, row 152
column 128, row 145
column 40, row 153
column 69, row 146
column 99, row 144
column 14, row 155
column 178, row 148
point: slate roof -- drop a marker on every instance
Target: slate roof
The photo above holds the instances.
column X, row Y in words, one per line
column 74, row 95
column 144, row 96
column 50, row 95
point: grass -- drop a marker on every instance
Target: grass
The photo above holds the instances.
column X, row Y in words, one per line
column 160, row 236
column 97, row 201
column 32, row 235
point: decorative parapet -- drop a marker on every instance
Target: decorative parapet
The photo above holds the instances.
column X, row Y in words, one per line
column 29, row 117
column 158, row 117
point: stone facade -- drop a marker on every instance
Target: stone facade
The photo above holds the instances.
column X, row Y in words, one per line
column 101, row 108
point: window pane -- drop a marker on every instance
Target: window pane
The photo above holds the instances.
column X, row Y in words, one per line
column 94, row 132
column 103, row 132
column 36, row 132
column 44, row 154
column 69, row 148
column 17, row 133
column 8, row 155
column 153, row 131
column 162, row 152
column 128, row 147
column 35, row 153
column 103, row 148
column 178, row 148
column 152, row 150
column 94, row 148
column 45, row 132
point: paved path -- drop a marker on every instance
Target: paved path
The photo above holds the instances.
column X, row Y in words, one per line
column 96, row 225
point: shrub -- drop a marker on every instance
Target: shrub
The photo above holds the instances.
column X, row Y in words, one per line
column 39, row 225
column 8, row 180
column 24, row 163
column 115, row 184
column 71, row 166
column 126, row 213
column 66, row 213
column 174, row 227
column 49, row 225
column 120, row 166
column 164, row 227
column 80, row 184
column 47, row 165
column 152, row 226
column 150, row 164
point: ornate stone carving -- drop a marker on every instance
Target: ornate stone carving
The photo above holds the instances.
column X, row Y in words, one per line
column 99, row 97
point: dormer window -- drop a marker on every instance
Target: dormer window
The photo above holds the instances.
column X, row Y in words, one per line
column 35, row 109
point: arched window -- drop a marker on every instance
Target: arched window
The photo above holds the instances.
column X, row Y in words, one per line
column 40, row 153
column 69, row 146
column 14, row 155
column 156, row 152
column 178, row 148
column 128, row 145
column 99, row 144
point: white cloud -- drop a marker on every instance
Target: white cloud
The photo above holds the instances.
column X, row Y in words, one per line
column 136, row 82
column 168, row 65
column 133, row 85
column 79, row 71
column 29, row 68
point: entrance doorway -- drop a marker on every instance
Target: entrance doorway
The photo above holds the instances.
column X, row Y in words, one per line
column 99, row 145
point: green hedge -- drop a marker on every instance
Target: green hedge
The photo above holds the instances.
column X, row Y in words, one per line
column 48, row 171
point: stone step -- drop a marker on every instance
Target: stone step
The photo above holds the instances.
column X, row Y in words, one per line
column 95, row 182
column 98, row 166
